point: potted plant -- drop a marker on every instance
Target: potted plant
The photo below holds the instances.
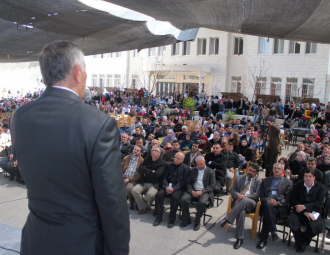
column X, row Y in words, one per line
column 189, row 104
column 229, row 115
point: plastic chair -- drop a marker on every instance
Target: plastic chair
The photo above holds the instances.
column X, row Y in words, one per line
column 254, row 217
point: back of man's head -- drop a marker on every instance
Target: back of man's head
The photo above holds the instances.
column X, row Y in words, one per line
column 57, row 61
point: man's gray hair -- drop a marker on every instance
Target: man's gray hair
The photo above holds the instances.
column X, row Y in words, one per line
column 280, row 164
column 184, row 127
column 200, row 157
column 57, row 61
column 157, row 147
column 311, row 159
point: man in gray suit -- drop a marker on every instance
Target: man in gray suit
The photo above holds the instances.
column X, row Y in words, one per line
column 275, row 201
column 245, row 193
column 68, row 154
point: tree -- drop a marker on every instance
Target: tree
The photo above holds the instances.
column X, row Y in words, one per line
column 258, row 78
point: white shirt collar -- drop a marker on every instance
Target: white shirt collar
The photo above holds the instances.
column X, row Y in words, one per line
column 65, row 88
column 308, row 189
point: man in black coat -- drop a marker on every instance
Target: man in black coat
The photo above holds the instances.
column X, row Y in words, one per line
column 125, row 146
column 170, row 154
column 190, row 157
column 152, row 170
column 216, row 161
column 307, row 201
column 72, row 170
column 199, row 187
column 275, row 200
column 174, row 181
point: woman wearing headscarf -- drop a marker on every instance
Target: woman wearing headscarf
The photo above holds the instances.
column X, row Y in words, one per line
column 244, row 153
column 205, row 145
column 196, row 135
column 325, row 165
column 298, row 164
column 169, row 138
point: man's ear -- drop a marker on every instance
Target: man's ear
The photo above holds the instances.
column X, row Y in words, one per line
column 77, row 73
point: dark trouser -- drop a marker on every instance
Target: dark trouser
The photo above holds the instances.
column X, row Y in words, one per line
column 303, row 237
column 239, row 111
column 218, row 187
column 270, row 160
column 186, row 199
column 3, row 165
column 270, row 214
column 159, row 203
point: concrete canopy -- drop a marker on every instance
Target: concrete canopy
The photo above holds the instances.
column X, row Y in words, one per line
column 26, row 26
column 302, row 20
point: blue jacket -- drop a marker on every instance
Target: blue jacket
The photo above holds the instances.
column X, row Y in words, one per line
column 123, row 130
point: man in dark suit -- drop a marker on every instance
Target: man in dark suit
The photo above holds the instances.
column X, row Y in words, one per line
column 190, row 157
column 307, row 201
column 311, row 164
column 275, row 201
column 247, row 136
column 170, row 154
column 84, row 212
column 245, row 193
column 174, row 181
column 199, row 187
column 152, row 170
column 124, row 146
column 216, row 161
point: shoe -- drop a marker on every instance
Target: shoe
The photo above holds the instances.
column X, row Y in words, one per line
column 197, row 227
column 185, row 224
column 262, row 244
column 275, row 237
column 170, row 224
column 226, row 193
column 132, row 207
column 157, row 222
column 301, row 249
column 143, row 211
column 238, row 244
column 223, row 223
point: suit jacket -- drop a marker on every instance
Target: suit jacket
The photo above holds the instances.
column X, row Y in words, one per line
column 187, row 159
column 125, row 163
column 73, row 177
column 125, row 150
column 208, row 181
column 273, row 139
column 284, row 190
column 182, row 175
column 255, row 187
column 313, row 201
column 148, row 176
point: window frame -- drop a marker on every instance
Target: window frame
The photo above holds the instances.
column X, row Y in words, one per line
column 240, row 46
column 201, row 47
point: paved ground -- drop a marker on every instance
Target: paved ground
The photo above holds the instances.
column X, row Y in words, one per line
column 146, row 239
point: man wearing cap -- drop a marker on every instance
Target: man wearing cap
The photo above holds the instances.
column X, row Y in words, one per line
column 157, row 132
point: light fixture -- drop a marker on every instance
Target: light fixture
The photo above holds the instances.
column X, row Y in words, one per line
column 33, row 18
column 29, row 52
column 49, row 15
column 55, row 13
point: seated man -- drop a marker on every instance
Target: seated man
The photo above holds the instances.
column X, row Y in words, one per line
column 214, row 160
column 199, row 187
column 311, row 164
column 245, row 193
column 136, row 123
column 149, row 140
column 307, row 201
column 139, row 141
column 247, row 136
column 157, row 132
column 216, row 138
column 229, row 132
column 174, row 181
column 125, row 129
column 155, row 143
column 130, row 166
column 170, row 154
column 152, row 170
column 124, row 146
column 275, row 200
column 232, row 161
column 190, row 157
